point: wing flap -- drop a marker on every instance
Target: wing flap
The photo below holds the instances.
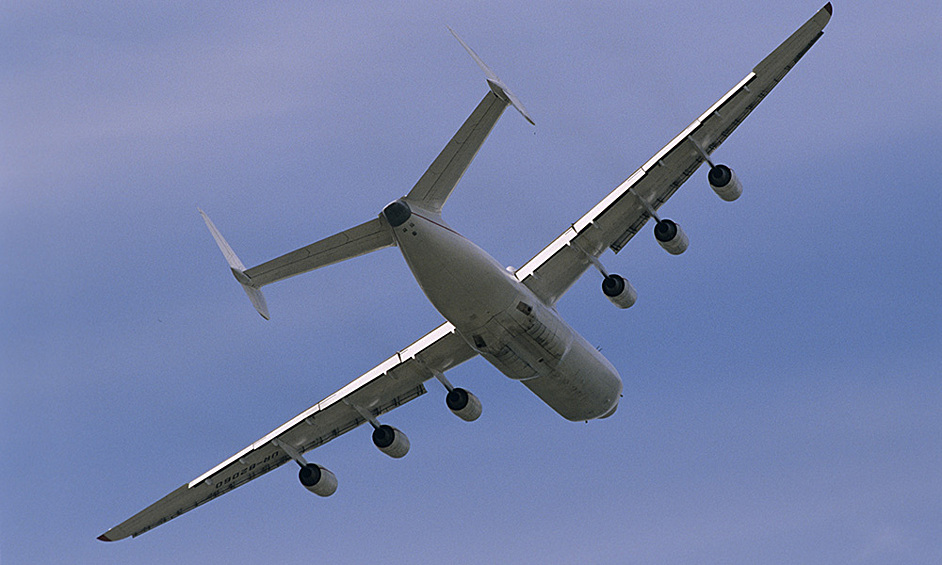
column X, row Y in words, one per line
column 392, row 383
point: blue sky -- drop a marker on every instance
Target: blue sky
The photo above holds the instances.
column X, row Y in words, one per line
column 782, row 377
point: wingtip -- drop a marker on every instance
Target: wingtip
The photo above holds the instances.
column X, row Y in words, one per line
column 829, row 8
column 104, row 537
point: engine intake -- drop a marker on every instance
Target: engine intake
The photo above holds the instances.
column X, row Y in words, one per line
column 619, row 291
column 671, row 237
column 391, row 441
column 318, row 479
column 463, row 404
column 725, row 183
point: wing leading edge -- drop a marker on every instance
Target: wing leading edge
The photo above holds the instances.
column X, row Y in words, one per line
column 620, row 215
column 392, row 383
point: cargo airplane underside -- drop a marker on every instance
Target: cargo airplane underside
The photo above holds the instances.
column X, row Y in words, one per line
column 506, row 316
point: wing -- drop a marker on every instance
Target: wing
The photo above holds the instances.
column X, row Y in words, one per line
column 392, row 383
column 620, row 215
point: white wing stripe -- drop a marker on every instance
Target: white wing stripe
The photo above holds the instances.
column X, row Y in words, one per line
column 723, row 100
column 547, row 252
column 425, row 341
column 607, row 202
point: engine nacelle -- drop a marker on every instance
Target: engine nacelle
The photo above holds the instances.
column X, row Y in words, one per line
column 725, row 183
column 391, row 441
column 619, row 291
column 318, row 479
column 463, row 404
column 671, row 237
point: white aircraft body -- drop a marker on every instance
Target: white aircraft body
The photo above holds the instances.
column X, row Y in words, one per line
column 506, row 316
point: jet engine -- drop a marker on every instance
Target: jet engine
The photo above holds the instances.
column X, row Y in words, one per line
column 619, row 291
column 725, row 183
column 671, row 237
column 318, row 479
column 463, row 404
column 391, row 441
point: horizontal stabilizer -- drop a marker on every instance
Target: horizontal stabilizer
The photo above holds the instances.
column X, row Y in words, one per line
column 358, row 240
column 497, row 85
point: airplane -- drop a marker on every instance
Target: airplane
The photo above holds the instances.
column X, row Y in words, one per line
column 507, row 316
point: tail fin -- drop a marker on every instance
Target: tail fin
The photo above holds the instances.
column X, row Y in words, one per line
column 238, row 269
column 497, row 85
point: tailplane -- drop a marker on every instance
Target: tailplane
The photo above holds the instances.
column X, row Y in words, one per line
column 358, row 240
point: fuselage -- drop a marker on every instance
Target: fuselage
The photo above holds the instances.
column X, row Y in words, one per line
column 502, row 319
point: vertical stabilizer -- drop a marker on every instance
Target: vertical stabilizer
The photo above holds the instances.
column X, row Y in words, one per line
column 497, row 85
column 238, row 269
